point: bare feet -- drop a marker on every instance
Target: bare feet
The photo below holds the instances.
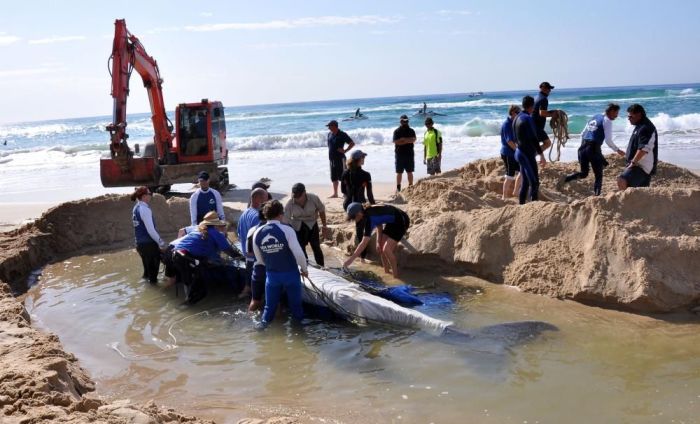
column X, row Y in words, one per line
column 333, row 196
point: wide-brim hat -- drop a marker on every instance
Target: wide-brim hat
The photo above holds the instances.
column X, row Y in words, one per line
column 214, row 220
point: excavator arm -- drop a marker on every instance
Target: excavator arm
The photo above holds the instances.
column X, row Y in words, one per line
column 128, row 54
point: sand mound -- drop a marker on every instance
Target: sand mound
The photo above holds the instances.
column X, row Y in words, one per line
column 635, row 249
column 75, row 227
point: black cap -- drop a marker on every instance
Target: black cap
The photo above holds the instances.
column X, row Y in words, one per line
column 332, row 123
column 546, row 85
column 298, row 189
column 404, row 118
column 204, row 175
column 261, row 185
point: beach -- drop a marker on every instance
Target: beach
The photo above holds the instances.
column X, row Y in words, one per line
column 616, row 274
column 461, row 203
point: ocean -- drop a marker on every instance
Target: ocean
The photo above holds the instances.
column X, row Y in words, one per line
column 58, row 160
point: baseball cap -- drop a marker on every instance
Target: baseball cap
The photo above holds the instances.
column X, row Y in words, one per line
column 298, row 189
column 353, row 209
column 358, row 154
column 332, row 123
column 260, row 184
column 204, row 175
column 546, row 85
column 404, row 118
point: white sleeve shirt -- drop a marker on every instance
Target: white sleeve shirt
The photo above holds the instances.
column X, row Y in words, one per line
column 147, row 218
column 608, row 130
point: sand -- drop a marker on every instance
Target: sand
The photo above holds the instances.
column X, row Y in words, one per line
column 634, row 250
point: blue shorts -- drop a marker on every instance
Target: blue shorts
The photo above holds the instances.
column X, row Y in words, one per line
column 636, row 177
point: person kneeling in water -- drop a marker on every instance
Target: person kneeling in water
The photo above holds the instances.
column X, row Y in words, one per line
column 198, row 253
column 277, row 248
column 391, row 224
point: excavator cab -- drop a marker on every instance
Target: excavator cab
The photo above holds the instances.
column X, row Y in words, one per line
column 200, row 133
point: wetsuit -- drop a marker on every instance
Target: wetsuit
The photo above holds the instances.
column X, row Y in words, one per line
column 276, row 247
column 248, row 219
column 197, row 260
column 354, row 182
column 528, row 148
column 507, row 153
column 148, row 242
column 541, row 103
column 395, row 221
column 597, row 130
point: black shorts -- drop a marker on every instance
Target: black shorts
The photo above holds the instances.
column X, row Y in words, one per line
column 404, row 163
column 542, row 135
column 396, row 230
column 337, row 168
column 636, row 177
column 511, row 164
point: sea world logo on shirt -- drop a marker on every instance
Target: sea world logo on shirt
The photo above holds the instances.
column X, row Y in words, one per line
column 270, row 244
column 592, row 125
column 212, row 201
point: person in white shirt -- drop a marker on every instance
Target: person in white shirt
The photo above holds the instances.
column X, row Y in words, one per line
column 205, row 199
column 597, row 131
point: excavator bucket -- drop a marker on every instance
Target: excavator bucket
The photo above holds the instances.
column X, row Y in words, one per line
column 137, row 171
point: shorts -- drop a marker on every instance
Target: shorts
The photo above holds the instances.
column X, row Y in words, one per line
column 396, row 230
column 433, row 165
column 542, row 135
column 404, row 163
column 636, row 177
column 337, row 168
column 511, row 164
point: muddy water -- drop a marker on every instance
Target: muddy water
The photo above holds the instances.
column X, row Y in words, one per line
column 138, row 342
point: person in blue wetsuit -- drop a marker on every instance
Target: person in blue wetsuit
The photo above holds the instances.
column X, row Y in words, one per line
column 197, row 257
column 258, row 272
column 391, row 224
column 250, row 218
column 597, row 131
column 508, row 146
column 529, row 147
column 205, row 199
column 276, row 247
column 148, row 242
column 642, row 150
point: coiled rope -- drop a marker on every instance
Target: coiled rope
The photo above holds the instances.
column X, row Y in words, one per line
column 560, row 129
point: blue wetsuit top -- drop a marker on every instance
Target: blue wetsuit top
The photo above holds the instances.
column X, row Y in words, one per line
column 506, row 136
column 526, row 134
column 541, row 103
column 379, row 215
column 208, row 248
column 249, row 219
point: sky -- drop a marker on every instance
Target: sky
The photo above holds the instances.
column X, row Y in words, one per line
column 54, row 54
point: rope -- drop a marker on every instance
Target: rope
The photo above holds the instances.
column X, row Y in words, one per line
column 169, row 347
column 560, row 129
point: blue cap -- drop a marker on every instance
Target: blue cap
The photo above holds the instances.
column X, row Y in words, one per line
column 353, row 209
column 204, row 175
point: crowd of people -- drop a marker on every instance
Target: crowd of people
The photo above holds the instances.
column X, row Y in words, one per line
column 524, row 138
column 274, row 237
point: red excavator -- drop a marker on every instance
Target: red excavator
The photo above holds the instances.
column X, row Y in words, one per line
column 199, row 142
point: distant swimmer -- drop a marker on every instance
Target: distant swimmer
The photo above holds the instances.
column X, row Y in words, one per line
column 358, row 114
column 4, row 143
column 425, row 109
column 598, row 129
